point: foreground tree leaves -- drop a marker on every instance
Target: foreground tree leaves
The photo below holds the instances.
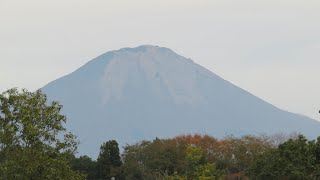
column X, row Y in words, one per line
column 30, row 147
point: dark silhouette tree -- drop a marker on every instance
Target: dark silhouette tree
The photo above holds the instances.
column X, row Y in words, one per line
column 109, row 161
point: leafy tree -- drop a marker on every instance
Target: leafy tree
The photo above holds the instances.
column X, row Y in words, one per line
column 134, row 160
column 85, row 165
column 109, row 161
column 30, row 147
column 295, row 159
column 153, row 160
column 194, row 159
column 208, row 144
column 198, row 168
column 235, row 155
column 208, row 172
column 165, row 156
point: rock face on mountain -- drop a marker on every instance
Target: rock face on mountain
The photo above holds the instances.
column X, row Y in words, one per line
column 148, row 91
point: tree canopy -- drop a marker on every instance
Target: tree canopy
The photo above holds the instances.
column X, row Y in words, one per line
column 109, row 161
column 294, row 159
column 30, row 147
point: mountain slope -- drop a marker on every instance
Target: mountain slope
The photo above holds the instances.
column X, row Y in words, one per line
column 149, row 91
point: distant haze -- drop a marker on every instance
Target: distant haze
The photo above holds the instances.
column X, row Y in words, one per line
column 268, row 47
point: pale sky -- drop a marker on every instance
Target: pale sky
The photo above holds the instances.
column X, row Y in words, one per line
column 269, row 47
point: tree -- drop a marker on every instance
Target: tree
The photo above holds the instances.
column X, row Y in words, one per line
column 294, row 159
column 157, row 159
column 194, row 158
column 208, row 144
column 85, row 165
column 30, row 147
column 134, row 160
column 208, row 172
column 109, row 161
column 198, row 167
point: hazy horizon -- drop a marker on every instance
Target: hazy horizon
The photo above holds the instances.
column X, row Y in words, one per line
column 270, row 48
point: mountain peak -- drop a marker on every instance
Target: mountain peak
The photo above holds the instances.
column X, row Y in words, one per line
column 146, row 48
column 154, row 68
column 150, row 91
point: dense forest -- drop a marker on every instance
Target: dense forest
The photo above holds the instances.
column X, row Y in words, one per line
column 31, row 147
column 205, row 157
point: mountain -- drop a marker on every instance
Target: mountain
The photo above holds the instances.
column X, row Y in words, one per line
column 149, row 91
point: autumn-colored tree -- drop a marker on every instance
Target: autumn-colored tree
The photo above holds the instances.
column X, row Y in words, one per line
column 208, row 144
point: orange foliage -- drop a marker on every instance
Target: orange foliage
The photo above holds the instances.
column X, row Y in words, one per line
column 196, row 139
column 207, row 143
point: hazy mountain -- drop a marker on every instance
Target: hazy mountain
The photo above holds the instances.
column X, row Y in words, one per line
column 149, row 91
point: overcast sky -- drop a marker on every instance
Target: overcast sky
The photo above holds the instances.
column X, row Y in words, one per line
column 269, row 47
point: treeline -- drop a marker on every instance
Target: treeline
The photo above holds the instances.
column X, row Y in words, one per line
column 31, row 147
column 205, row 157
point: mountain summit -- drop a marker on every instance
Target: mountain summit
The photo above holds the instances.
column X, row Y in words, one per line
column 149, row 91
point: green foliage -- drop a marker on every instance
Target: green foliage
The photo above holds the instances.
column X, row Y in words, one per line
column 198, row 168
column 29, row 143
column 134, row 158
column 208, row 172
column 194, row 156
column 294, row 159
column 152, row 160
column 167, row 159
column 109, row 161
column 85, row 165
column 195, row 159
column 237, row 154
